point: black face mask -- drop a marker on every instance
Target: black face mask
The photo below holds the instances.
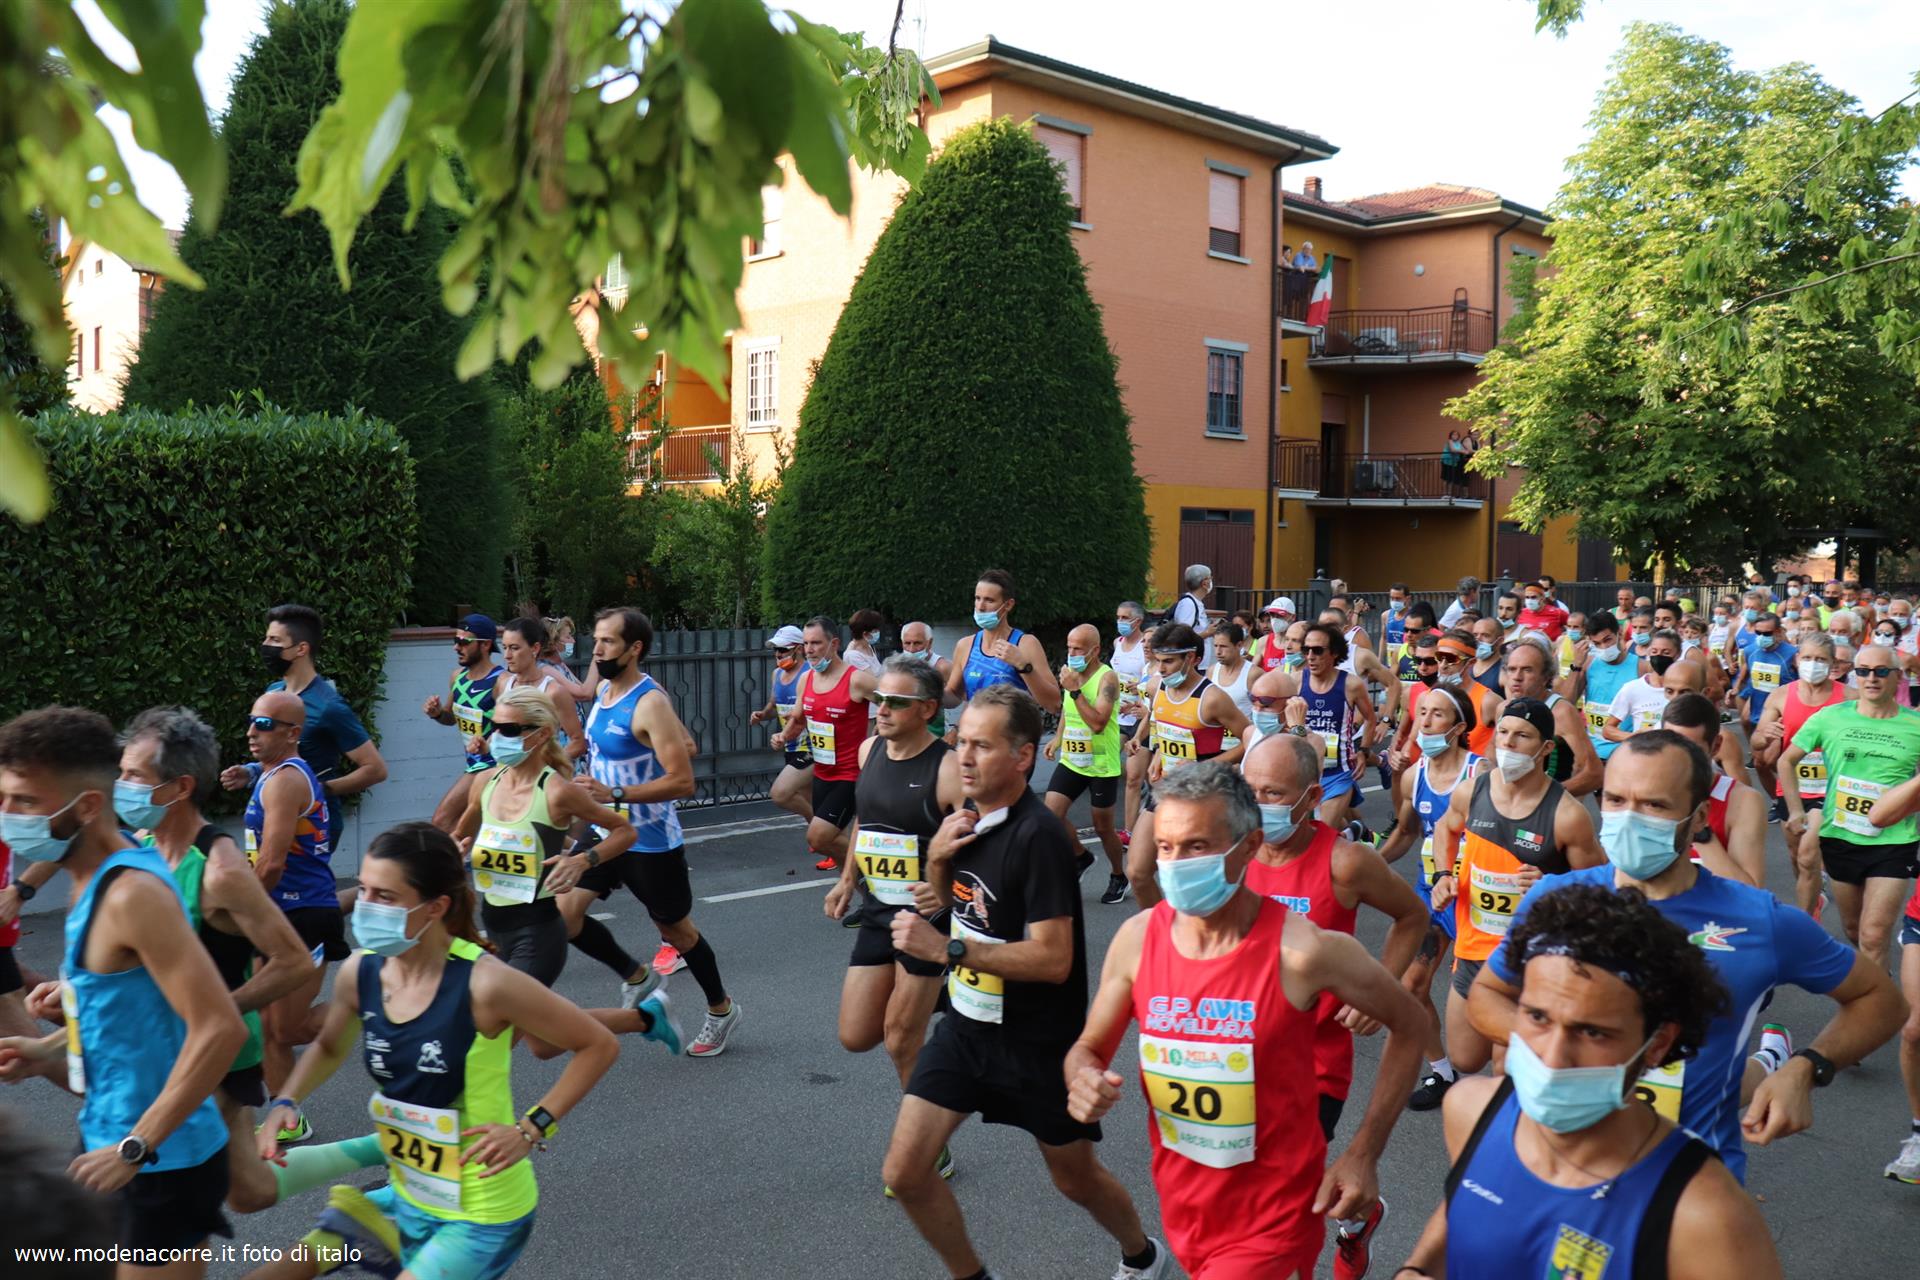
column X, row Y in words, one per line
column 1660, row 662
column 609, row 668
column 275, row 657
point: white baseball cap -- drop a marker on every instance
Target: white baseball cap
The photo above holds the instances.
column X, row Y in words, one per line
column 786, row 638
column 1280, row 604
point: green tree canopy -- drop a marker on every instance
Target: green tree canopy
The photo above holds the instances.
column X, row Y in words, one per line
column 274, row 317
column 1660, row 451
column 966, row 413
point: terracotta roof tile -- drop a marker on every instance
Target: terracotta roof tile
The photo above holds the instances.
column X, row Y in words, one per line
column 1436, row 197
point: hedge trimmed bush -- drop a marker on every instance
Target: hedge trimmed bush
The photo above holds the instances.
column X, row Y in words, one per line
column 170, row 537
column 966, row 414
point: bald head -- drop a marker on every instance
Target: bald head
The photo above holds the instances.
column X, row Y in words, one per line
column 273, row 730
column 1684, row 677
column 1084, row 638
column 1274, row 684
column 1282, row 763
column 282, row 706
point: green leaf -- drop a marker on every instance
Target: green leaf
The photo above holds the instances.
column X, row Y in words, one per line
column 23, row 477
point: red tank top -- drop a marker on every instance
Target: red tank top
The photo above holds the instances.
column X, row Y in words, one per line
column 1237, row 1151
column 1812, row 769
column 1717, row 809
column 1272, row 653
column 836, row 726
column 1306, row 885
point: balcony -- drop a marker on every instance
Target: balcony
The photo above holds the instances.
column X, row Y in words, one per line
column 1398, row 480
column 686, row 455
column 1454, row 336
column 1293, row 468
column 1296, row 291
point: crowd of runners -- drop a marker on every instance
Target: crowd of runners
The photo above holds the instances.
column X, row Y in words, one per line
column 1588, row 795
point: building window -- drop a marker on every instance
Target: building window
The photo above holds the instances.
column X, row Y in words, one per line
column 96, row 342
column 1224, row 192
column 763, row 385
column 1224, row 371
column 1068, row 146
column 772, row 206
column 616, row 276
column 1286, row 383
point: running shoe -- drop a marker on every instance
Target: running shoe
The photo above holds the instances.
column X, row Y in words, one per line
column 1433, row 1087
column 714, row 1033
column 1905, row 1167
column 1353, row 1254
column 352, row 1222
column 853, row 919
column 1778, row 1041
column 299, row 1133
column 1153, row 1270
column 1116, row 890
column 1083, row 863
column 1126, row 837
column 667, row 961
column 632, row 993
column 826, row 864
column 663, row 1028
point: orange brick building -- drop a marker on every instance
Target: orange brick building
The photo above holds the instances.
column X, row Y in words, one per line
column 1182, row 216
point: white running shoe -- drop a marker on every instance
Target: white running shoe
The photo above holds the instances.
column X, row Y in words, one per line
column 1905, row 1167
column 1153, row 1270
column 632, row 993
column 714, row 1033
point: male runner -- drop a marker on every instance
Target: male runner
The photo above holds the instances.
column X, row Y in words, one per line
column 469, row 707
column 909, row 782
column 169, row 767
column 1305, row 865
column 1637, row 706
column 1609, row 667
column 1898, row 803
column 1733, row 843
column 1761, row 665
column 638, row 758
column 1869, row 745
column 1224, row 983
column 333, row 732
column 1781, row 716
column 1655, row 797
column 286, row 832
column 1190, row 610
column 1494, row 842
column 1540, row 612
column 792, row 786
column 1088, row 749
column 150, row 1029
column 999, row 652
column 1018, row 987
column 917, row 638
column 1489, row 655
column 1532, row 671
column 1558, row 1170
column 1393, row 632
column 1339, row 710
column 833, row 718
column 1468, row 597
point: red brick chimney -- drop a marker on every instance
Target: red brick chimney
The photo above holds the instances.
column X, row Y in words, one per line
column 1313, row 189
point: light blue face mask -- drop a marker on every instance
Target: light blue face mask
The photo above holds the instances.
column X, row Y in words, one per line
column 1076, row 662
column 1174, row 679
column 1567, row 1099
column 566, row 650
column 1574, row 634
column 381, row 928
column 1508, row 624
column 820, row 665
column 1398, row 606
column 1638, row 845
column 30, row 835
column 1483, row 650
column 873, row 638
column 133, row 801
column 986, row 619
column 1764, row 643
column 505, row 750
column 1751, row 615
column 1641, row 639
column 1196, row 886
column 1277, row 822
column 1124, row 628
column 1267, row 722
column 1433, row 744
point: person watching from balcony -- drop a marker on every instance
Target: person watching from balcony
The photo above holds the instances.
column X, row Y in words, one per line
column 1304, row 260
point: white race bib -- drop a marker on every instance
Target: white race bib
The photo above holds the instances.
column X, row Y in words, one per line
column 1492, row 899
column 76, row 1062
column 1766, row 676
column 1176, row 744
column 507, row 864
column 820, row 741
column 976, row 995
column 469, row 720
column 422, row 1147
column 1202, row 1095
column 1852, row 799
column 890, row 861
column 1077, row 752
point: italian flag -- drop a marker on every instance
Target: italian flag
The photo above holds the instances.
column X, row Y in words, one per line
column 1320, row 305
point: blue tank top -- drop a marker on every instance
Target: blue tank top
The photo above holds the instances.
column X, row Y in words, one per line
column 307, row 880
column 619, row 759
column 1502, row 1220
column 983, row 671
column 786, row 701
column 123, row 1037
column 1604, row 681
column 1328, row 715
column 1429, row 804
column 1762, row 671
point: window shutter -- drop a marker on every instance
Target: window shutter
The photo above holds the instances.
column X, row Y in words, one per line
column 1067, row 148
column 1223, row 201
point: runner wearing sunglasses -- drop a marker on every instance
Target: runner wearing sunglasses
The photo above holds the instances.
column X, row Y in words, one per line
column 792, row 789
column 469, row 707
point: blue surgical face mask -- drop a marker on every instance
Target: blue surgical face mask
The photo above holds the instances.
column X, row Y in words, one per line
column 1567, row 1099
column 1508, row 624
column 1483, row 650
column 873, row 638
column 1196, row 886
column 1533, row 602
column 1751, row 615
column 1764, row 642
column 1076, row 662
column 566, row 650
column 1124, row 628
column 1267, row 722
column 133, row 801
column 1641, row 639
column 1277, row 822
column 1638, row 845
column 1174, row 679
column 1292, row 660
column 820, row 665
column 1433, row 744
column 1398, row 606
column 505, row 750
column 1574, row 634
column 986, row 619
column 382, row 929
column 30, row 835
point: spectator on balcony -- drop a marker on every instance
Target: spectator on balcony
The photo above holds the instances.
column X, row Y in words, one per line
column 1190, row 610
column 1286, row 256
column 1304, row 260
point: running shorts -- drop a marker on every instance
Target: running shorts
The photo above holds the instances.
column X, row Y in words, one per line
column 1004, row 1082
column 1851, row 863
column 176, row 1209
column 436, row 1249
column 322, row 928
column 833, row 800
column 658, row 880
column 1102, row 792
column 873, row 943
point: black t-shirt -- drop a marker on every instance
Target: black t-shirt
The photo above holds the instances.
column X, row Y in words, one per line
column 1019, row 872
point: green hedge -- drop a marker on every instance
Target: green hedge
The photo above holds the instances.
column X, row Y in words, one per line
column 966, row 414
column 170, row 537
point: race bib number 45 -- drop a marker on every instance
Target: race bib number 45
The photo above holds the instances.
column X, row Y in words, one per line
column 1202, row 1097
column 820, row 742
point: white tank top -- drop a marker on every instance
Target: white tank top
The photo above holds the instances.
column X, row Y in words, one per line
column 1240, row 690
column 1131, row 666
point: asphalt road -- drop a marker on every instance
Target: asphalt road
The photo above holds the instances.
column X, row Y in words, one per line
column 766, row 1160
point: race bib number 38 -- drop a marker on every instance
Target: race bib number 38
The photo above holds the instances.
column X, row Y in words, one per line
column 1202, row 1097
column 422, row 1147
column 890, row 861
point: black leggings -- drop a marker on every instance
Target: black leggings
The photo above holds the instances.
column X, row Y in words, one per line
column 531, row 938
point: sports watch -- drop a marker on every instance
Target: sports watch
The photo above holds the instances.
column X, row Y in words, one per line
column 137, row 1151
column 956, row 950
column 542, row 1120
column 1822, row 1067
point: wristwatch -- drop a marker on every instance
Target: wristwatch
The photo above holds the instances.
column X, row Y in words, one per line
column 1026, row 670
column 1822, row 1067
column 593, row 857
column 956, row 950
column 542, row 1120
column 137, row 1151
column 1297, row 730
column 619, row 795
column 25, row 890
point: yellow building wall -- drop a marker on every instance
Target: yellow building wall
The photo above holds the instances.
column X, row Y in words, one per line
column 1426, row 548
column 1559, row 549
column 1163, row 517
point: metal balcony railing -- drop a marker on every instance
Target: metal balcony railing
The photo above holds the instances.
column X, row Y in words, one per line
column 1408, row 477
column 1415, row 333
column 687, row 455
column 1296, row 290
column 1294, row 465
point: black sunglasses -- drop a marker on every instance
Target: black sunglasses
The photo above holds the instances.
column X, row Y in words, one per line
column 265, row 724
column 1426, row 662
column 513, row 730
column 1878, row 673
column 1313, row 648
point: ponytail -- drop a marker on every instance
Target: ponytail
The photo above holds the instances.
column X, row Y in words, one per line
column 433, row 867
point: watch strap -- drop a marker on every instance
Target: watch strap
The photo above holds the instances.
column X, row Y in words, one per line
column 1822, row 1066
column 593, row 857
column 25, row 890
column 956, row 949
column 542, row 1120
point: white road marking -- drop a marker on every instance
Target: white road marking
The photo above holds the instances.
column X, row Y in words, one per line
column 728, row 830
column 771, row 889
column 600, row 915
